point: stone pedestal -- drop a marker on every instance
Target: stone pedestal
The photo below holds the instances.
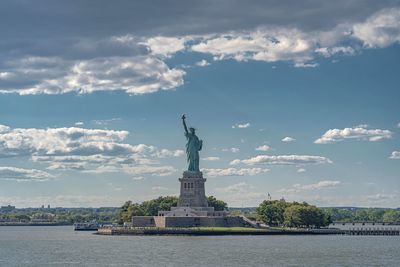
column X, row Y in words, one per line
column 192, row 193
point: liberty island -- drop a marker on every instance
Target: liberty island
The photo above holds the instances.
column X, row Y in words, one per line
column 192, row 209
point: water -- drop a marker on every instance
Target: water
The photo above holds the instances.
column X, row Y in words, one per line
column 61, row 246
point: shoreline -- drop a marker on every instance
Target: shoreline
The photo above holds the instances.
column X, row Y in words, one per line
column 36, row 224
column 212, row 231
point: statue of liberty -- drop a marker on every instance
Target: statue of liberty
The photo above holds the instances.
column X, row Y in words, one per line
column 193, row 146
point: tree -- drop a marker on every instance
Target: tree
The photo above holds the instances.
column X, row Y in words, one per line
column 271, row 211
column 218, row 205
column 293, row 214
column 300, row 215
column 391, row 216
column 146, row 208
column 151, row 207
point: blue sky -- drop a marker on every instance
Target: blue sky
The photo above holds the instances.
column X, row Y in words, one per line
column 305, row 108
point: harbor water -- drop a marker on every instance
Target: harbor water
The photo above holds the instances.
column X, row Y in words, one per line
column 61, row 246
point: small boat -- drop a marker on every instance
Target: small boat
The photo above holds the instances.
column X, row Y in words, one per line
column 86, row 226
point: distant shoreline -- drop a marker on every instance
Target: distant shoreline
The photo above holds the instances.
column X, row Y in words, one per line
column 35, row 224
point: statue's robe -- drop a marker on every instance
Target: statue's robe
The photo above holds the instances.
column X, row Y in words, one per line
column 193, row 146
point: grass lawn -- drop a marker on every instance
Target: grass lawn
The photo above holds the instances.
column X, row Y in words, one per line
column 226, row 229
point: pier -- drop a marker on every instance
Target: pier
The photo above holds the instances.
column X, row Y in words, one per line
column 372, row 231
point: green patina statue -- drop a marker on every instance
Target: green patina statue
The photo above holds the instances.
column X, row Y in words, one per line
column 193, row 146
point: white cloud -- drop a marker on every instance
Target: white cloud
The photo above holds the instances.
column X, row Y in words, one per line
column 165, row 46
column 234, row 172
column 330, row 51
column 317, row 186
column 358, row 133
column 20, row 174
column 380, row 30
column 232, row 149
column 283, row 160
column 264, row 44
column 263, row 148
column 300, row 170
column 79, row 123
column 90, row 150
column 275, row 43
column 202, row 63
column 135, row 170
column 398, row 125
column 395, row 155
column 134, row 75
column 288, row 139
column 165, row 153
column 305, row 65
column 241, row 125
column 211, row 158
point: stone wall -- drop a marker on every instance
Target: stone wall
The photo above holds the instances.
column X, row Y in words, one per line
column 143, row 221
column 229, row 221
column 161, row 221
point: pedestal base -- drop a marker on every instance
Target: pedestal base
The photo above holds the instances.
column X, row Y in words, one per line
column 192, row 193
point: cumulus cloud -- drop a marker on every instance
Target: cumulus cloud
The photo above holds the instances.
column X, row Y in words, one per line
column 134, row 75
column 395, row 155
column 165, row 153
column 91, row 150
column 267, row 44
column 135, row 170
column 241, row 125
column 300, row 170
column 234, row 172
column 263, row 148
column 202, row 63
column 232, row 149
column 165, row 46
column 283, row 160
column 358, row 133
column 305, row 65
column 379, row 30
column 132, row 58
column 317, row 186
column 211, row 158
column 20, row 174
column 331, row 51
column 284, row 43
column 288, row 139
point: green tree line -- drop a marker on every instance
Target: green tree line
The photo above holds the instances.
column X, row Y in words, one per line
column 363, row 215
column 291, row 214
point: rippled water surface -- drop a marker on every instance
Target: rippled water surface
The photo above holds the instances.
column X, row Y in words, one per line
column 61, row 246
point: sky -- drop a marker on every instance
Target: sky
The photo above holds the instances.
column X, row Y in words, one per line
column 296, row 99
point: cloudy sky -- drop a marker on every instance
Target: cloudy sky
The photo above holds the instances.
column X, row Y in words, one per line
column 299, row 99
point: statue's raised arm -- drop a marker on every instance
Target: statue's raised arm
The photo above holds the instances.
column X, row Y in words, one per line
column 184, row 124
